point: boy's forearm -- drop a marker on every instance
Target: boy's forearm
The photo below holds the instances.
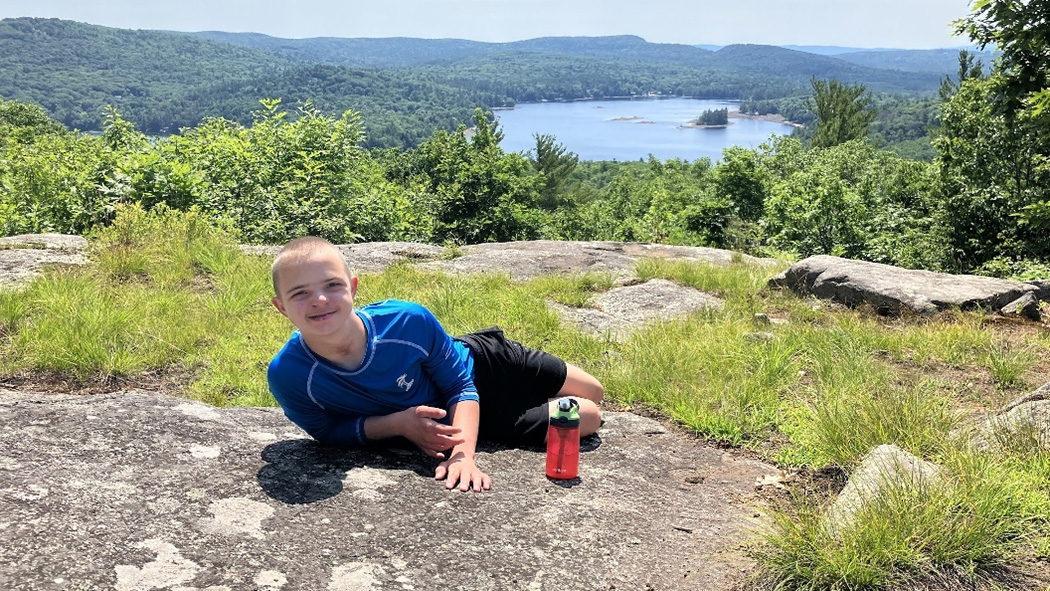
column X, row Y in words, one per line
column 384, row 426
column 465, row 416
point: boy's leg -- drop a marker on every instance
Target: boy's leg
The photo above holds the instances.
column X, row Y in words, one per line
column 516, row 385
column 588, row 391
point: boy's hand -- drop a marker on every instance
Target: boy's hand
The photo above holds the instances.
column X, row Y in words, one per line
column 421, row 428
column 463, row 470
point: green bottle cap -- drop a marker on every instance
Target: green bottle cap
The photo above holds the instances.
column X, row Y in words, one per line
column 567, row 413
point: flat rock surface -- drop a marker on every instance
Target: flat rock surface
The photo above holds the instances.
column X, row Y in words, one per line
column 894, row 290
column 621, row 310
column 23, row 257
column 528, row 259
column 369, row 257
column 136, row 491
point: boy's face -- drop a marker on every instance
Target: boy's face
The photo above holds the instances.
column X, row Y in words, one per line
column 316, row 293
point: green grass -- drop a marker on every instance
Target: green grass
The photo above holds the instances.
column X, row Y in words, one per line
column 955, row 533
column 168, row 295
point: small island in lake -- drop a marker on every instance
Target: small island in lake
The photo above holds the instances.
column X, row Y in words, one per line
column 709, row 119
column 631, row 118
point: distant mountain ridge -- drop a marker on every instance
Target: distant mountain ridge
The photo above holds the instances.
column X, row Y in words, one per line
column 402, row 52
column 405, row 52
column 768, row 60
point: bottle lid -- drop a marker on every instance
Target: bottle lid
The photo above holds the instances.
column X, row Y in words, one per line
column 567, row 413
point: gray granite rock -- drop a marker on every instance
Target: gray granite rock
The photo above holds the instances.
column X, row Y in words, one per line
column 1026, row 306
column 621, row 310
column 24, row 256
column 369, row 257
column 46, row 241
column 883, row 467
column 1025, row 420
column 1042, row 289
column 528, row 259
column 894, row 290
column 135, row 491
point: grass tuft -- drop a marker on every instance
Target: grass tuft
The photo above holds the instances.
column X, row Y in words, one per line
column 960, row 532
column 1008, row 365
column 845, row 425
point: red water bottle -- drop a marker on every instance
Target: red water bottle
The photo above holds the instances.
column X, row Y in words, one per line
column 563, row 440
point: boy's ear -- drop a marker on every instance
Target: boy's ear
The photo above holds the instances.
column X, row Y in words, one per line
column 353, row 287
column 277, row 303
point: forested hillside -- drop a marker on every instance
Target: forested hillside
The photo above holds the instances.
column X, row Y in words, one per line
column 936, row 61
column 165, row 81
column 394, row 52
column 74, row 69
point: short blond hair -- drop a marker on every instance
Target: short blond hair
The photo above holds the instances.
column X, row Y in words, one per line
column 298, row 250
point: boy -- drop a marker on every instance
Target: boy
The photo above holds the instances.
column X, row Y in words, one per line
column 353, row 376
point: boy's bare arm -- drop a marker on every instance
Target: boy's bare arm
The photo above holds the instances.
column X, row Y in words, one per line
column 419, row 425
column 460, row 467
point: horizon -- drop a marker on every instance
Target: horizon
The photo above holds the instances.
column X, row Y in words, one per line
column 809, row 23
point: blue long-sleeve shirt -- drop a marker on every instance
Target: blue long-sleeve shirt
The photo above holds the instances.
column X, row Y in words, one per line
column 410, row 360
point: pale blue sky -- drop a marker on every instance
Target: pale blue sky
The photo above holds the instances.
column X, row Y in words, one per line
column 913, row 24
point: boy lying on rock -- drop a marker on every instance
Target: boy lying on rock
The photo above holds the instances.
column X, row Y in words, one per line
column 354, row 376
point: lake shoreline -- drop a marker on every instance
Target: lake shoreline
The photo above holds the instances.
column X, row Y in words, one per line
column 768, row 117
column 629, row 130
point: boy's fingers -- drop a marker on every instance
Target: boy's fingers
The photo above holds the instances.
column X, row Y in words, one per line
column 453, row 477
column 440, row 472
column 442, row 442
column 430, row 412
column 442, row 429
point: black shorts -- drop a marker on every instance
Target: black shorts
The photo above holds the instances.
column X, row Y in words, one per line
column 514, row 386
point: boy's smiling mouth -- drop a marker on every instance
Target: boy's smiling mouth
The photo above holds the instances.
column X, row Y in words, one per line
column 322, row 316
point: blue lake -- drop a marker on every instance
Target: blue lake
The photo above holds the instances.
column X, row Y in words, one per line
column 632, row 129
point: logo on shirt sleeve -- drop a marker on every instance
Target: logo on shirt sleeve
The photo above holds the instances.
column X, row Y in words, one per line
column 404, row 383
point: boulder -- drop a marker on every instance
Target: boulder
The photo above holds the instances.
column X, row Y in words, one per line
column 1026, row 306
column 621, row 310
column 1042, row 289
column 136, row 491
column 883, row 467
column 1026, row 419
column 893, row 290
